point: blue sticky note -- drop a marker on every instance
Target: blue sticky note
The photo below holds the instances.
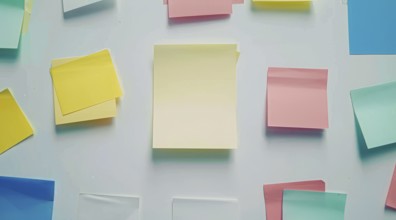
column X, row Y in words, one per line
column 11, row 18
column 372, row 26
column 26, row 199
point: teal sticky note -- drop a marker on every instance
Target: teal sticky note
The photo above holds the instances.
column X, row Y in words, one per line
column 375, row 111
column 26, row 199
column 310, row 205
column 11, row 19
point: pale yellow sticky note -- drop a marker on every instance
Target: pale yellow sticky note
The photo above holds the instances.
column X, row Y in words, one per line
column 195, row 97
column 14, row 126
column 106, row 109
column 26, row 16
column 85, row 82
column 283, row 4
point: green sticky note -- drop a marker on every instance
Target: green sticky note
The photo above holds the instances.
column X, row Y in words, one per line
column 310, row 205
column 11, row 18
column 375, row 110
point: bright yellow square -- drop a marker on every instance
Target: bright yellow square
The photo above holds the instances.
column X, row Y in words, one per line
column 86, row 82
column 14, row 126
column 106, row 109
column 195, row 97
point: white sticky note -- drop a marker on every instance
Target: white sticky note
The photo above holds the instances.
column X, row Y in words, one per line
column 69, row 5
column 205, row 209
column 108, row 207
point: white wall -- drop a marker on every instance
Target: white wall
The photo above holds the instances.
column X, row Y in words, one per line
column 115, row 156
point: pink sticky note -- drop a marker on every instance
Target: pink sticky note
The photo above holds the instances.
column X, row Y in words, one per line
column 391, row 198
column 191, row 8
column 273, row 195
column 297, row 98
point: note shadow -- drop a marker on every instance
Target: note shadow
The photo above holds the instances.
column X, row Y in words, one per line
column 366, row 152
column 9, row 55
column 196, row 19
column 274, row 132
column 190, row 155
column 79, row 126
column 90, row 9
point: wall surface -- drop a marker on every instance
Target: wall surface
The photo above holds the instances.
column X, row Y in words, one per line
column 116, row 156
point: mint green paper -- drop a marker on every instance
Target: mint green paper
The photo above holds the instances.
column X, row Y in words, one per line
column 310, row 205
column 375, row 110
column 11, row 18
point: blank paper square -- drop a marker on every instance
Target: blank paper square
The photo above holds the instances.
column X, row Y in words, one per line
column 205, row 209
column 108, row 207
column 297, row 98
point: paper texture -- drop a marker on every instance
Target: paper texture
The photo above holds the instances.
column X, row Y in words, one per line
column 371, row 26
column 11, row 18
column 273, row 195
column 375, row 110
column 86, row 82
column 308, row 205
column 195, row 96
column 207, row 209
column 108, row 207
column 26, row 199
column 69, row 5
column 14, row 126
column 297, row 98
column 106, row 109
column 391, row 198
column 189, row 8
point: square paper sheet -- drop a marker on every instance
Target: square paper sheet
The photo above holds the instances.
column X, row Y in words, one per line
column 14, row 126
column 205, row 209
column 69, row 5
column 195, row 96
column 26, row 199
column 11, row 19
column 297, row 98
column 108, row 207
column 375, row 109
column 308, row 205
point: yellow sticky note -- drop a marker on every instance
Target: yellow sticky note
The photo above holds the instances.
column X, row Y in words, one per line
column 106, row 109
column 26, row 16
column 195, row 96
column 85, row 82
column 283, row 4
column 14, row 126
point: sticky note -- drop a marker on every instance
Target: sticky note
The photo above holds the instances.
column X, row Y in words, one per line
column 391, row 198
column 14, row 126
column 208, row 209
column 309, row 205
column 27, row 15
column 22, row 198
column 371, row 26
column 106, row 109
column 374, row 109
column 190, row 8
column 69, row 5
column 195, row 96
column 283, row 4
column 11, row 18
column 106, row 207
column 297, row 98
column 85, row 82
column 273, row 195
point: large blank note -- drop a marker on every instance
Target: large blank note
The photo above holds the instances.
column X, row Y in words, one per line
column 195, row 96
column 205, row 209
column 11, row 19
column 297, row 98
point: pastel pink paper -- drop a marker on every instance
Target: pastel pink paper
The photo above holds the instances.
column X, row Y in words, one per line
column 233, row 1
column 391, row 198
column 191, row 8
column 273, row 195
column 297, row 98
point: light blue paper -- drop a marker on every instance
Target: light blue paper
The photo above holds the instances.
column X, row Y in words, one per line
column 372, row 26
column 11, row 19
column 310, row 205
column 26, row 199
